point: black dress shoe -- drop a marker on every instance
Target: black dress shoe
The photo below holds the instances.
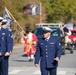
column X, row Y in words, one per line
column 30, row 60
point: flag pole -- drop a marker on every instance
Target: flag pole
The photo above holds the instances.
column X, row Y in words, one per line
column 15, row 20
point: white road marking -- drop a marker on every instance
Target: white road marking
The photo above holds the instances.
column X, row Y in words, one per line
column 58, row 72
column 14, row 71
column 61, row 72
column 37, row 72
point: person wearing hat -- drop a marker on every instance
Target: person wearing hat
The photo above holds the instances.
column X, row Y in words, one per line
column 1, row 18
column 6, row 48
column 48, row 51
column 0, row 39
column 2, row 50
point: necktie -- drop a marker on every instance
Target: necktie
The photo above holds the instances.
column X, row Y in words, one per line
column 46, row 39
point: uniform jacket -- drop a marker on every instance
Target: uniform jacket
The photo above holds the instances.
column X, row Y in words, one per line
column 5, row 41
column 47, row 51
column 9, row 45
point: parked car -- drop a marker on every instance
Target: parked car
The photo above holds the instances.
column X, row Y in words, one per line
column 56, row 32
column 73, row 38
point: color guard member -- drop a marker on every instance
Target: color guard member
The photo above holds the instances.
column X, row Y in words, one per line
column 6, row 46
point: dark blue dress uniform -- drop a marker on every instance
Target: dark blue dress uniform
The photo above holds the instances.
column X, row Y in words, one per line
column 46, row 52
column 9, row 47
column 6, row 45
column 3, row 61
column 9, row 44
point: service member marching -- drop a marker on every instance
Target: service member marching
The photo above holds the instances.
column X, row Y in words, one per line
column 49, row 50
column 6, row 46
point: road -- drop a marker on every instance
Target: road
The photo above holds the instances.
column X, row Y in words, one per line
column 19, row 65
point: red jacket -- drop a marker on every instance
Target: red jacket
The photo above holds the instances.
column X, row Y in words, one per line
column 73, row 36
column 30, row 41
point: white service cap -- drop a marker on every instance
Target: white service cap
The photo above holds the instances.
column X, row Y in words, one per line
column 47, row 29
